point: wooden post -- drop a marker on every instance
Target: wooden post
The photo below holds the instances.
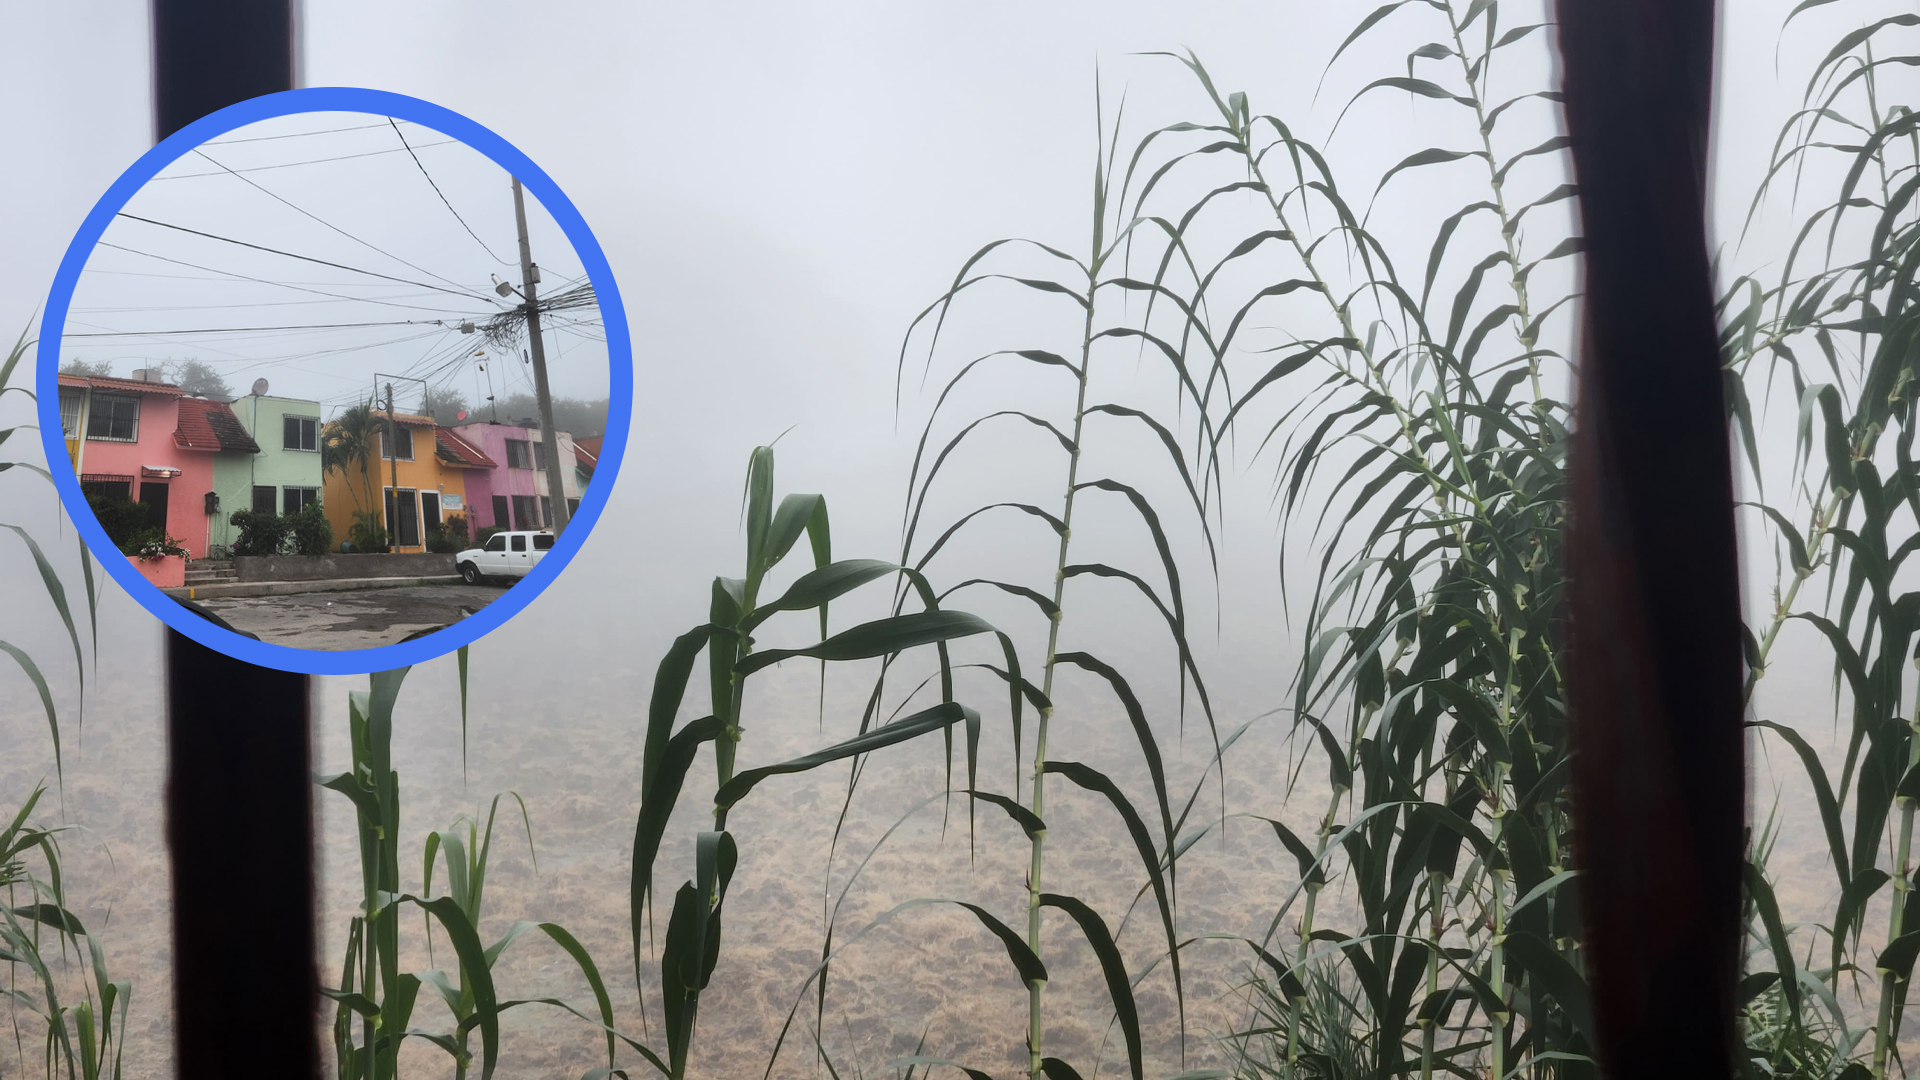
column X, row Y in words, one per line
column 239, row 783
column 1659, row 765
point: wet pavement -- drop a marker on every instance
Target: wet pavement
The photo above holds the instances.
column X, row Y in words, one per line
column 361, row 619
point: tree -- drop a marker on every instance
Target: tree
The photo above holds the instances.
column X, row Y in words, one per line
column 577, row 417
column 351, row 440
column 444, row 404
column 199, row 379
column 97, row 369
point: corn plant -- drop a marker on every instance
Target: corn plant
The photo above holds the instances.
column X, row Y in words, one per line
column 83, row 1039
column 1843, row 308
column 375, row 1000
column 1089, row 427
column 1418, row 448
column 50, row 579
column 691, row 947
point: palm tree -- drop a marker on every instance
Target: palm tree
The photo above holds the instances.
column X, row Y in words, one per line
column 353, row 438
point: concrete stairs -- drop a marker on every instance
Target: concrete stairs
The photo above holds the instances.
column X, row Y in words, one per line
column 203, row 572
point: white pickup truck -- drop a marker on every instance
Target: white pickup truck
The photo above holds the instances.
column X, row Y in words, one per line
column 504, row 555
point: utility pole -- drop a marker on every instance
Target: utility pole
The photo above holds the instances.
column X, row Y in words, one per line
column 393, row 460
column 549, row 441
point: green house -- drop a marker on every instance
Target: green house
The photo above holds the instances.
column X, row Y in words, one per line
column 283, row 475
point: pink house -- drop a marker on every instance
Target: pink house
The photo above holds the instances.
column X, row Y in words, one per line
column 143, row 440
column 513, row 494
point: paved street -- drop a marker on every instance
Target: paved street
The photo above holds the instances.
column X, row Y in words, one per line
column 362, row 619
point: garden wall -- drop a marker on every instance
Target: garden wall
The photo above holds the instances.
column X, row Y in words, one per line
column 330, row 567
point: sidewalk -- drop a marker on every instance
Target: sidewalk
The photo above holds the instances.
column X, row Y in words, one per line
column 289, row 588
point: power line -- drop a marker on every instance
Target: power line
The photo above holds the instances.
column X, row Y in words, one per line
column 310, row 161
column 215, row 307
column 291, row 255
column 285, row 285
column 249, row 329
column 226, row 274
column 328, row 224
column 293, row 134
column 250, row 363
column 443, row 198
column 236, row 356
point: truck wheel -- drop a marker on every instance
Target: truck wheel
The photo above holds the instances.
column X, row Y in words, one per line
column 470, row 573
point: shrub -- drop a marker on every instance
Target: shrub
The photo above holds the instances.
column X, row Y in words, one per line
column 448, row 537
column 260, row 534
column 122, row 519
column 367, row 534
column 312, row 533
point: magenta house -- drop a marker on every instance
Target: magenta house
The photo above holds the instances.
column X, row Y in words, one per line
column 143, row 440
column 514, row 493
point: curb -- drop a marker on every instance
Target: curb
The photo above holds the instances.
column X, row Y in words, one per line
column 289, row 588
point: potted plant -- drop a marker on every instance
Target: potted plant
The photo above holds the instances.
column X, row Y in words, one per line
column 160, row 558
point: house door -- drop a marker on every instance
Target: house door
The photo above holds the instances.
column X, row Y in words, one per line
column 499, row 511
column 154, row 498
column 430, row 510
column 403, row 529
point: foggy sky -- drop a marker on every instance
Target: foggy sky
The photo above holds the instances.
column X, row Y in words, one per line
column 780, row 188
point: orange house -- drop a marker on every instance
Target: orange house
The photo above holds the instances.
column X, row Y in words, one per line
column 430, row 464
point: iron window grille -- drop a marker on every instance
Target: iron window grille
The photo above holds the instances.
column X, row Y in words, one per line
column 300, row 433
column 114, row 418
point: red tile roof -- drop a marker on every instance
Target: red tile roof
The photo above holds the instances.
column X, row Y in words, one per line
column 209, row 425
column 460, row 453
column 107, row 383
column 587, row 452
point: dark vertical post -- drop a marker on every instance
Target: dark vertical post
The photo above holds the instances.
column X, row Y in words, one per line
column 209, row 54
column 239, row 787
column 1659, row 765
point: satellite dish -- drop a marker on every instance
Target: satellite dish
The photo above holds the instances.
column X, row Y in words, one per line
column 259, row 388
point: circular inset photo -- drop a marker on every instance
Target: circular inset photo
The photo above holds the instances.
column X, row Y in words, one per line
column 334, row 380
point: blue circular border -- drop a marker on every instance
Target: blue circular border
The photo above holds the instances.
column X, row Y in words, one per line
column 378, row 103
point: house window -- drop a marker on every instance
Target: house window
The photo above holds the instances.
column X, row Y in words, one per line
column 402, row 438
column 540, row 455
column 523, row 508
column 518, row 457
column 296, row 499
column 70, row 413
column 499, row 511
column 546, row 512
column 300, row 433
column 108, row 490
column 263, row 499
column 115, row 418
column 573, row 509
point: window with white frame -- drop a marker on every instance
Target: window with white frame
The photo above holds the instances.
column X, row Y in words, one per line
column 70, row 412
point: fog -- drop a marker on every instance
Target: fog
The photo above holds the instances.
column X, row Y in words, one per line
column 182, row 274
column 780, row 190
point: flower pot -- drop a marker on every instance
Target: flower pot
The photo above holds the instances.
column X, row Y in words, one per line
column 166, row 572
